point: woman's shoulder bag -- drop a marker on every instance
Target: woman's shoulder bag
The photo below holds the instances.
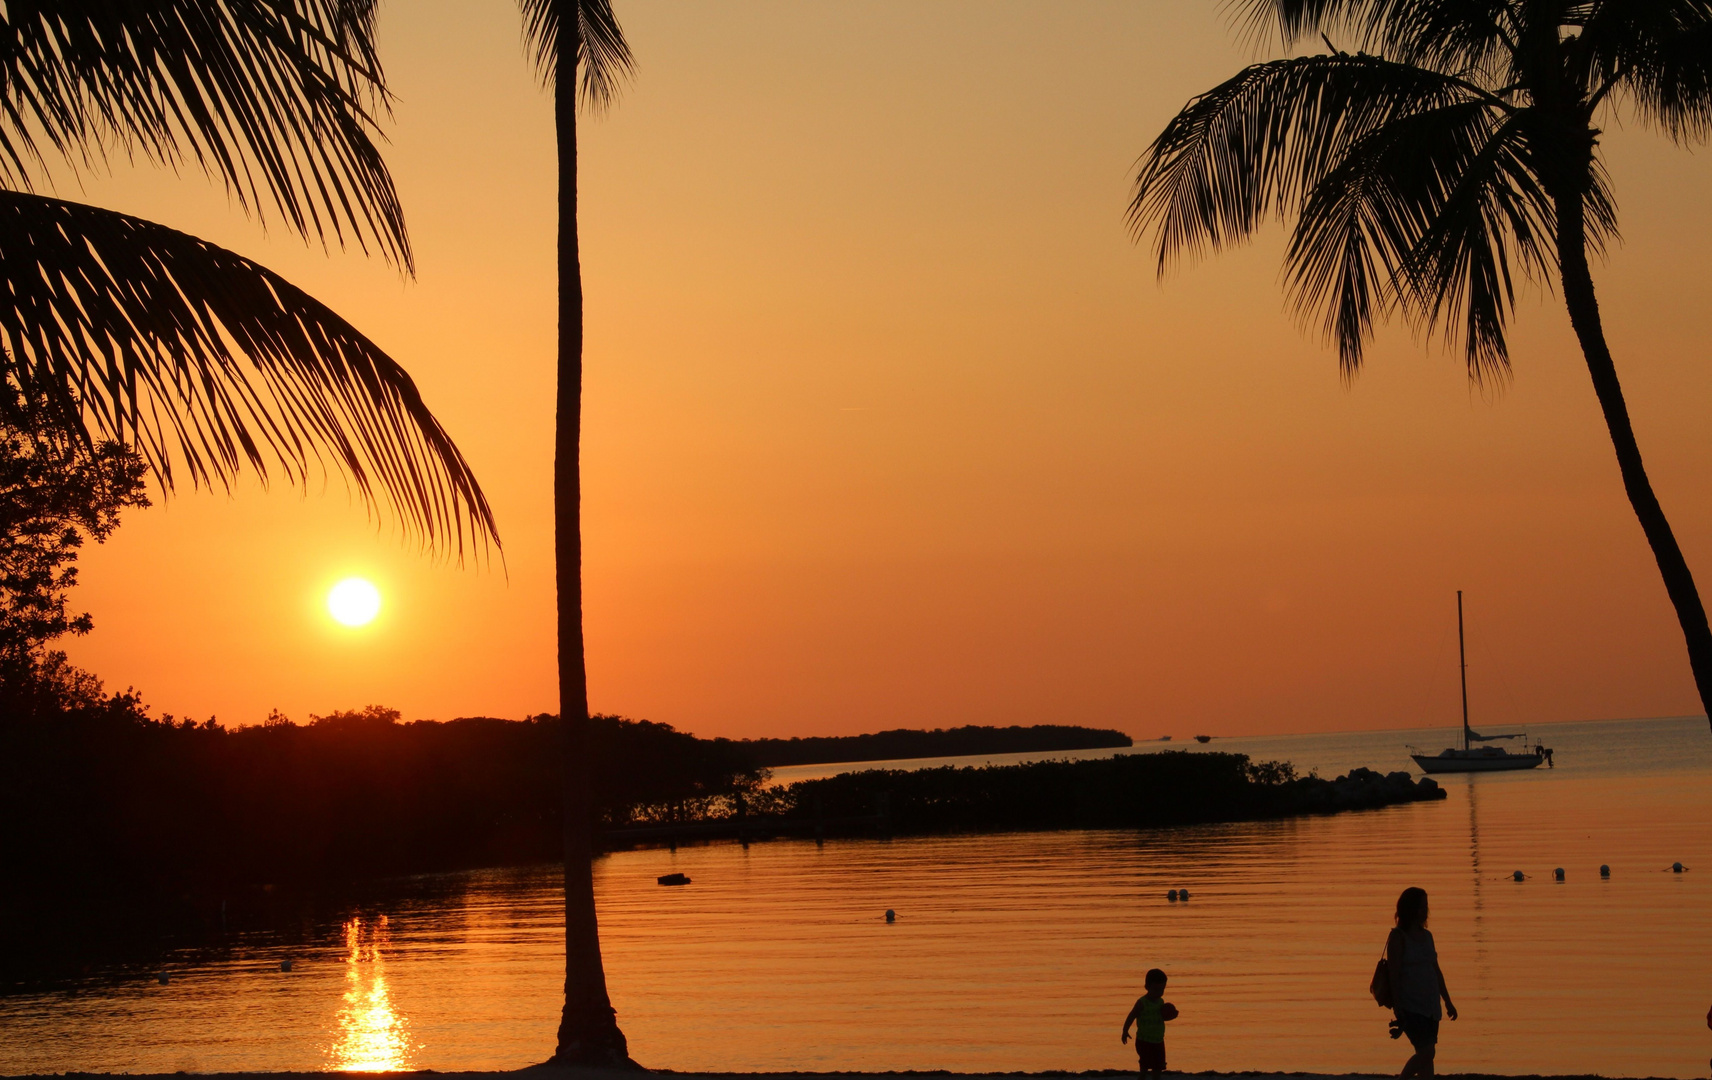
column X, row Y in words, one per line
column 1380, row 987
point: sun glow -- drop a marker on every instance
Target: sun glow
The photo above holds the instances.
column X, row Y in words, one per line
column 353, row 602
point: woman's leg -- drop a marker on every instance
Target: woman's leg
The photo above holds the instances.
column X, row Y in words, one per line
column 1420, row 1063
column 1423, row 1036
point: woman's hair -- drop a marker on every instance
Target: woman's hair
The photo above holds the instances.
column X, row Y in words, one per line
column 1411, row 907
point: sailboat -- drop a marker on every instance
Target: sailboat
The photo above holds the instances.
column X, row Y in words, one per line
column 1471, row 758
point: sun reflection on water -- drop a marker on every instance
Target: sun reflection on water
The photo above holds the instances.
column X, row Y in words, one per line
column 369, row 1034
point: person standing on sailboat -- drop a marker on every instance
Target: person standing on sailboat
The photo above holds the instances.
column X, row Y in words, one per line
column 1417, row 984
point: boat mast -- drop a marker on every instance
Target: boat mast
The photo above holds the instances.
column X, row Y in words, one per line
column 1462, row 659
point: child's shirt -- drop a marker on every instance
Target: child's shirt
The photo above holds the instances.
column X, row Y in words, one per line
column 1150, row 1016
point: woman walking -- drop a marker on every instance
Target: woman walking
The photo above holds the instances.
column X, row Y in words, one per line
column 1417, row 984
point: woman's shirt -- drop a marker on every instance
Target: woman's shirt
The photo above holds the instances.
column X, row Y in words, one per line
column 1418, row 974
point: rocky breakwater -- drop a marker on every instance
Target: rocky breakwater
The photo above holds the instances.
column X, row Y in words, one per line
column 1360, row 789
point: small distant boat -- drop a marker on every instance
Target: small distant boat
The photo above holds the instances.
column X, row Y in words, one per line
column 1203, row 738
column 1470, row 758
column 1164, row 738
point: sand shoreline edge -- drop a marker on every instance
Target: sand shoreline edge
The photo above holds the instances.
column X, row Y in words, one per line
column 630, row 1074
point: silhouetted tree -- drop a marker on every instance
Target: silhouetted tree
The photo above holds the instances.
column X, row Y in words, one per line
column 54, row 497
column 1455, row 150
column 581, row 53
column 116, row 329
column 368, row 718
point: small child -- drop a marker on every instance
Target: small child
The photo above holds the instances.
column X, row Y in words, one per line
column 1149, row 1016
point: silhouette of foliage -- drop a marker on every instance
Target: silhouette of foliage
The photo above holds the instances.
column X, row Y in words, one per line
column 602, row 58
column 168, row 316
column 271, row 96
column 54, row 497
column 120, row 329
column 1455, row 152
column 1126, row 791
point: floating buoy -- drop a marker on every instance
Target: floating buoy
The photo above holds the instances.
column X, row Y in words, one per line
column 1183, row 895
column 673, row 879
column 1604, row 871
column 1172, row 896
column 163, row 978
column 285, row 965
column 891, row 916
column 1558, row 873
column 1677, row 868
column 1517, row 876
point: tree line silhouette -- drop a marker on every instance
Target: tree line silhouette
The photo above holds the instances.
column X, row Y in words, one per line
column 109, row 817
column 1127, row 791
column 901, row 743
column 172, row 803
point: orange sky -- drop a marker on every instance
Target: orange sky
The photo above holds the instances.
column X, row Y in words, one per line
column 889, row 423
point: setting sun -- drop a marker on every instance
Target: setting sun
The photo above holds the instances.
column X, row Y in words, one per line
column 353, row 602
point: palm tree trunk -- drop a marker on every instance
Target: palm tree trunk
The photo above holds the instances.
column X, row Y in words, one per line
column 588, row 1028
column 1583, row 307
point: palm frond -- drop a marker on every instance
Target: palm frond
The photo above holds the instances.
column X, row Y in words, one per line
column 1491, row 213
column 1254, row 147
column 206, row 361
column 1428, row 214
column 602, row 55
column 1658, row 55
column 1351, row 249
column 1463, row 36
column 276, row 97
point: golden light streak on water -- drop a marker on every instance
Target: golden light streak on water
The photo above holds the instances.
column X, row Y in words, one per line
column 371, row 1035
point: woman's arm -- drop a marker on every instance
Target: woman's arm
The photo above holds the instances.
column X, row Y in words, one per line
column 1394, row 964
column 1444, row 992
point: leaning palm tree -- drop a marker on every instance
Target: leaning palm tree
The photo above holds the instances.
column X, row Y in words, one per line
column 116, row 328
column 1453, row 155
column 581, row 54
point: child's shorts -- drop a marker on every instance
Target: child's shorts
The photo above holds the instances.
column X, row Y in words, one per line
column 1152, row 1055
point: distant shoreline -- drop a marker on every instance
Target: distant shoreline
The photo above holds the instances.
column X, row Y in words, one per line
column 901, row 744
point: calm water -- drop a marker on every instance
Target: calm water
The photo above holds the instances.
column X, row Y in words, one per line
column 1013, row 952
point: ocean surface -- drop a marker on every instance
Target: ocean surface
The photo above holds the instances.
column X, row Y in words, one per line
column 1009, row 952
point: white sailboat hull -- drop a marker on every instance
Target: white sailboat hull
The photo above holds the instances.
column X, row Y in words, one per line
column 1477, row 761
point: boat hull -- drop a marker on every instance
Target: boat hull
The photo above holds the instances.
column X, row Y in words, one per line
column 1433, row 763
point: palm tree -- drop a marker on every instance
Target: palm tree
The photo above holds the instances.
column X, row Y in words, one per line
column 116, row 328
column 581, row 54
column 1454, row 151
